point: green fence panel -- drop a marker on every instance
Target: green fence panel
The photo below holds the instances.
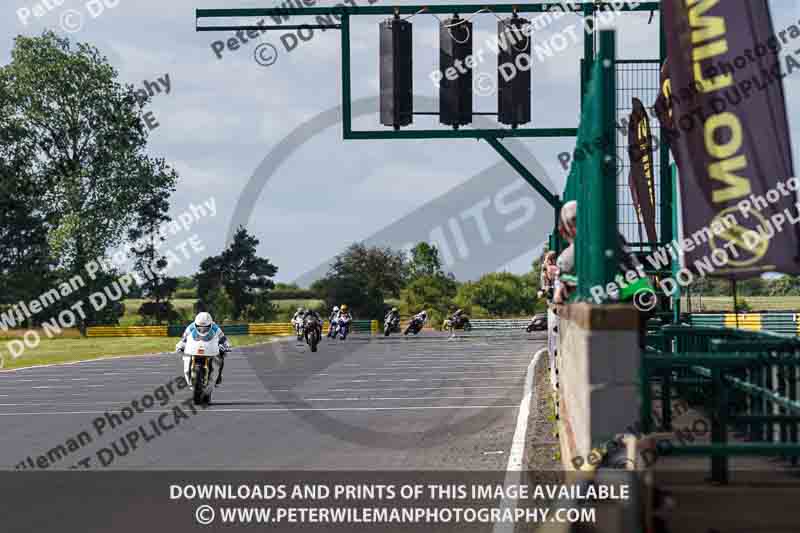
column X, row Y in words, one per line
column 779, row 323
column 361, row 326
column 176, row 330
column 236, row 329
column 716, row 320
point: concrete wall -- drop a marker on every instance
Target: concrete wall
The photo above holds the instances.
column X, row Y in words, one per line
column 598, row 365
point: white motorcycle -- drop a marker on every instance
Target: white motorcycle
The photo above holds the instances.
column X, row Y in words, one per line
column 203, row 368
column 298, row 327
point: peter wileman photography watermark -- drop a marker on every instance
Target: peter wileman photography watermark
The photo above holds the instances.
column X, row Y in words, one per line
column 699, row 428
column 266, row 54
column 114, row 423
column 479, row 226
column 148, row 90
column 111, row 294
column 521, row 38
column 70, row 20
column 740, row 93
column 727, row 235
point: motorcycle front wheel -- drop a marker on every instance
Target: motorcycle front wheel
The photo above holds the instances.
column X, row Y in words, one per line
column 313, row 340
column 199, row 383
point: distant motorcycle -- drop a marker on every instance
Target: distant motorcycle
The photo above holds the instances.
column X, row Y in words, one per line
column 344, row 327
column 461, row 323
column 391, row 325
column 311, row 332
column 333, row 330
column 537, row 323
column 298, row 328
column 203, row 373
column 415, row 326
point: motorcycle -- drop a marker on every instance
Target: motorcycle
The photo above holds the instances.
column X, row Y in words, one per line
column 298, row 328
column 202, row 371
column 462, row 323
column 537, row 323
column 312, row 332
column 333, row 330
column 391, row 325
column 344, row 327
column 415, row 326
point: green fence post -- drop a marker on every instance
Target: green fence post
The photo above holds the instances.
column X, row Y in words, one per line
column 719, row 430
column 598, row 232
column 645, row 408
column 676, row 294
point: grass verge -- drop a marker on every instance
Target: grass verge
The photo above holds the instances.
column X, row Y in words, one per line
column 67, row 350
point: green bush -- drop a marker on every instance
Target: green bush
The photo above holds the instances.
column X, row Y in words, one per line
column 294, row 294
column 185, row 294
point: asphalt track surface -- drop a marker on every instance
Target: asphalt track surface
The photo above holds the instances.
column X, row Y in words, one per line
column 367, row 403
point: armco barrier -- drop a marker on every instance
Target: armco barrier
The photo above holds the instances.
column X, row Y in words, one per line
column 784, row 323
column 266, row 328
column 67, row 333
column 500, row 323
column 131, row 331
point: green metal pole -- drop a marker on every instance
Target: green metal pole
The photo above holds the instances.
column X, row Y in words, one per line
column 599, row 188
column 557, row 244
column 524, row 172
column 719, row 430
column 588, row 49
column 346, row 111
column 676, row 295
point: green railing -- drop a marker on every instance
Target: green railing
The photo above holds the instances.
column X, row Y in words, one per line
column 743, row 379
column 592, row 178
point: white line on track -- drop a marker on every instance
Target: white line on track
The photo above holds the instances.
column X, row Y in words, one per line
column 434, row 378
column 288, row 410
column 517, row 453
column 228, row 400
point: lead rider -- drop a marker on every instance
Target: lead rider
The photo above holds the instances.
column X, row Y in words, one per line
column 203, row 328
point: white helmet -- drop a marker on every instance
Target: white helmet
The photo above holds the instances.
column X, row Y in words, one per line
column 203, row 322
column 424, row 313
column 335, row 308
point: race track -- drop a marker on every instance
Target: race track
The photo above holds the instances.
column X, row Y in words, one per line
column 368, row 403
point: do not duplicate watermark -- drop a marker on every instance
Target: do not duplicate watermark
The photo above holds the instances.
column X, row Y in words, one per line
column 70, row 20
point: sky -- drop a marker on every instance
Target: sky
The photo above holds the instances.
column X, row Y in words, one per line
column 227, row 119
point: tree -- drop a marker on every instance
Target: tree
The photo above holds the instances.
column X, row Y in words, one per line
column 243, row 275
column 89, row 138
column 433, row 294
column 429, row 287
column 783, row 286
column 147, row 237
column 363, row 278
column 501, row 294
column 24, row 253
column 424, row 261
column 218, row 303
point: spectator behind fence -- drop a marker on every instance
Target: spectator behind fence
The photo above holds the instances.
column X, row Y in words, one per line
column 566, row 261
column 547, row 276
column 566, row 265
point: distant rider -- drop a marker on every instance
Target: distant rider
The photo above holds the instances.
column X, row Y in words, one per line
column 334, row 321
column 310, row 313
column 345, row 317
column 393, row 314
column 422, row 316
column 297, row 319
column 455, row 321
column 203, row 328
